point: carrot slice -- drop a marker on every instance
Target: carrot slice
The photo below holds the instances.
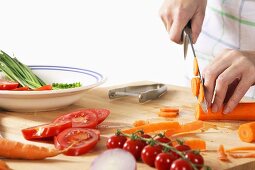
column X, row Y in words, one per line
column 45, row 87
column 195, row 86
column 201, row 94
column 221, row 154
column 196, row 144
column 246, row 132
column 243, row 111
column 242, row 148
column 188, row 127
column 242, row 155
column 169, row 109
column 168, row 114
column 195, row 67
column 153, row 127
column 140, row 123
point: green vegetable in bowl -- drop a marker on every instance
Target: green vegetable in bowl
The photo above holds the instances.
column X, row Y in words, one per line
column 57, row 86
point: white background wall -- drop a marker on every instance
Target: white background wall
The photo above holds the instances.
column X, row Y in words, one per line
column 122, row 39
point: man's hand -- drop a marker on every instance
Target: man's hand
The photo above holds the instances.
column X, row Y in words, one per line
column 176, row 13
column 230, row 75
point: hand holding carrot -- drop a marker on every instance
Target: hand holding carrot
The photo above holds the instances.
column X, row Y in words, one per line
column 230, row 75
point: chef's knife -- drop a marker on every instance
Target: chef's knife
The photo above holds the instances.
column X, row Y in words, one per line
column 187, row 38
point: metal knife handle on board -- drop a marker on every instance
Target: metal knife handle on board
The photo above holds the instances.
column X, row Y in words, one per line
column 187, row 38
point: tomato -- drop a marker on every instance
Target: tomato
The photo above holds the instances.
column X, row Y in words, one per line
column 164, row 161
column 135, row 147
column 163, row 140
column 195, row 158
column 80, row 119
column 45, row 130
column 181, row 148
column 8, row 85
column 181, row 164
column 116, row 141
column 96, row 132
column 45, row 87
column 80, row 141
column 149, row 154
column 21, row 89
column 102, row 114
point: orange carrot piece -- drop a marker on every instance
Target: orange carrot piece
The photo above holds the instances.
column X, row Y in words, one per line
column 195, row 67
column 140, row 123
column 188, row 127
column 169, row 109
column 45, row 87
column 195, row 86
column 242, row 148
column 246, row 132
column 3, row 165
column 222, row 154
column 168, row 114
column 242, row 155
column 196, row 144
column 153, row 127
column 201, row 94
column 243, row 111
column 17, row 150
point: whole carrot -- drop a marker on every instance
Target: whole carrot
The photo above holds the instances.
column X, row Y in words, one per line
column 17, row 150
column 243, row 111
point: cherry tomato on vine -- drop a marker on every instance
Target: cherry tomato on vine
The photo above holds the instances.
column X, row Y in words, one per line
column 195, row 158
column 163, row 140
column 183, row 148
column 116, row 141
column 135, row 147
column 149, row 154
column 164, row 161
column 181, row 164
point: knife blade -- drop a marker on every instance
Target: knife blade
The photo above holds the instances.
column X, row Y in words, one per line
column 188, row 35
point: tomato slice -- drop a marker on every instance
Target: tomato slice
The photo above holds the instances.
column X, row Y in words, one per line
column 21, row 89
column 102, row 114
column 80, row 141
column 45, row 87
column 45, row 130
column 80, row 118
column 8, row 85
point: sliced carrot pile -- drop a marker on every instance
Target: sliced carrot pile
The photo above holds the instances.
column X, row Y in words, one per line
column 243, row 111
column 195, row 86
column 195, row 67
column 186, row 128
column 242, row 148
column 3, row 165
column 153, row 127
column 246, row 132
column 242, row 155
column 169, row 109
column 222, row 154
column 196, row 144
column 138, row 123
column 168, row 114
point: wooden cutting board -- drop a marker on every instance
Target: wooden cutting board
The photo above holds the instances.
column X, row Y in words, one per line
column 124, row 112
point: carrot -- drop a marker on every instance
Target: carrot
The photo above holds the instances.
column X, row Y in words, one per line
column 3, row 165
column 243, row 111
column 169, row 109
column 246, row 132
column 153, row 127
column 17, row 150
column 45, row 87
column 188, row 127
column 196, row 144
column 242, row 148
column 242, row 155
column 221, row 154
column 201, row 94
column 140, row 123
column 167, row 114
column 195, row 67
column 195, row 85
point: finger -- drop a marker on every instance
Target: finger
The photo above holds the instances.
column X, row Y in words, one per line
column 177, row 27
column 210, row 75
column 196, row 25
column 167, row 22
column 222, row 83
column 238, row 94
